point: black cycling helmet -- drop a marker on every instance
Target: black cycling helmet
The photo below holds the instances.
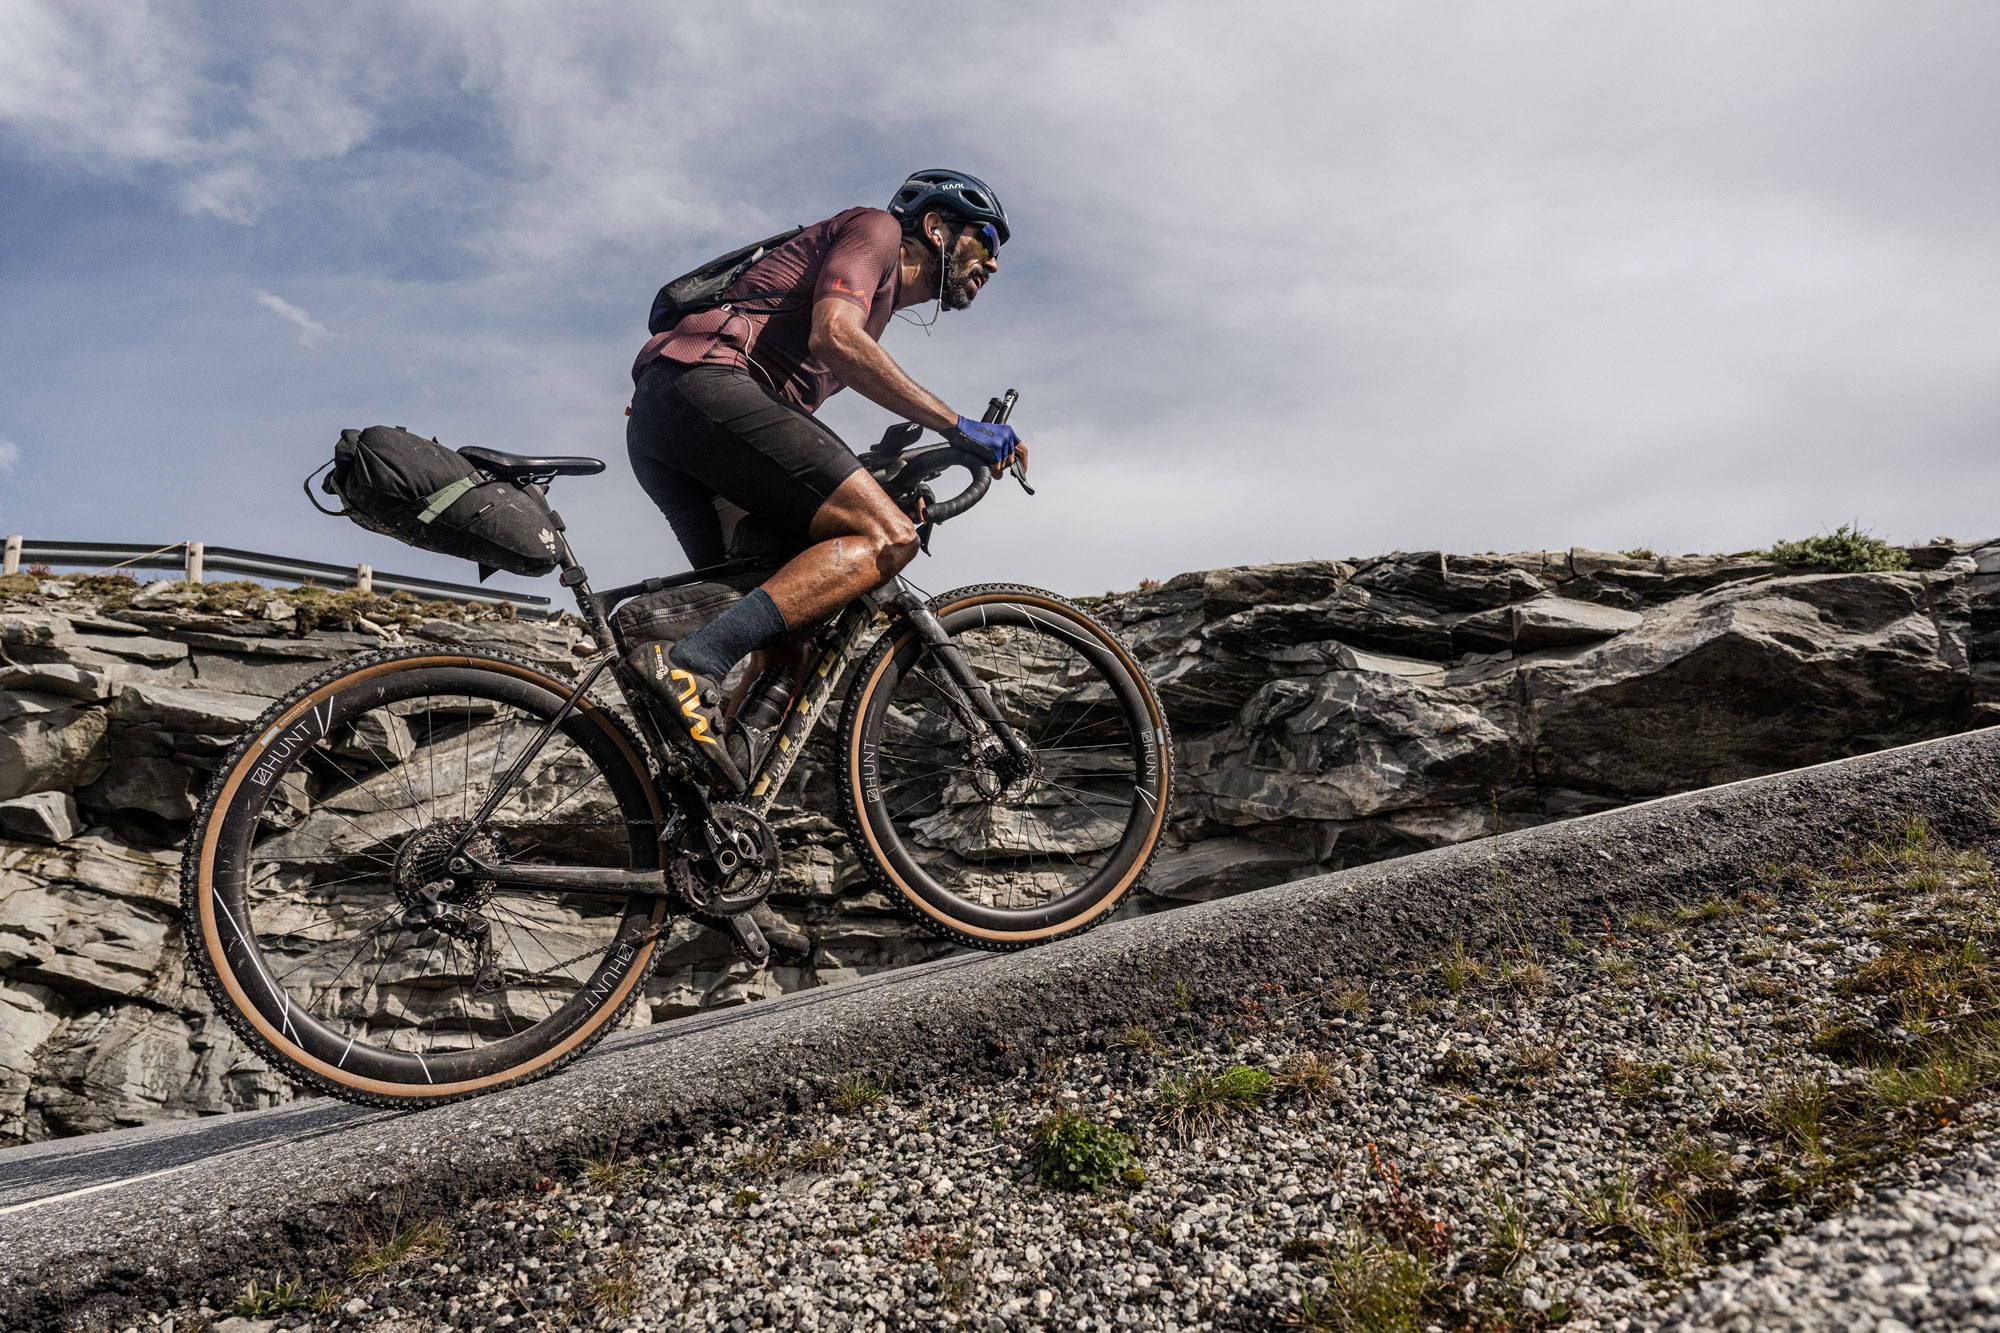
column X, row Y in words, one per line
column 952, row 193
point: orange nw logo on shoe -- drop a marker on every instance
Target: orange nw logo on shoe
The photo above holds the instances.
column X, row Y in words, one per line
column 691, row 708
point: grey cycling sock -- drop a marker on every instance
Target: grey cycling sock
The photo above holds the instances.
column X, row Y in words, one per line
column 732, row 636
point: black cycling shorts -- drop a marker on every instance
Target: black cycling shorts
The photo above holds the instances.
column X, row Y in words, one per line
column 701, row 432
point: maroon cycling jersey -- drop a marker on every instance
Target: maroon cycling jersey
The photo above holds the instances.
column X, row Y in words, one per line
column 765, row 325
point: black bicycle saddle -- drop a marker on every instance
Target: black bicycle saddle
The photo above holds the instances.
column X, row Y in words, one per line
column 515, row 466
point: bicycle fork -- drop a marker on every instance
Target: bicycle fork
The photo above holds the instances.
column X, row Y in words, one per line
column 932, row 632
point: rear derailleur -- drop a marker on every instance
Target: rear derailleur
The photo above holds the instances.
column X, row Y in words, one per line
column 430, row 912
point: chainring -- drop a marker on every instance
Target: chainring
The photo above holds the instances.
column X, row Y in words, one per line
column 712, row 894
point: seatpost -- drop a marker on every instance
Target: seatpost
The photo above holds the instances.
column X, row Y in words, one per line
column 577, row 579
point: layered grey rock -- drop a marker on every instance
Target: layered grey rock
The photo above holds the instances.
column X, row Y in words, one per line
column 1325, row 713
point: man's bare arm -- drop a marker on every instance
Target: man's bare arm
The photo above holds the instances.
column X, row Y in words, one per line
column 840, row 341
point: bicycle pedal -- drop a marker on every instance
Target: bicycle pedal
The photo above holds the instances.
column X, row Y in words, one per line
column 749, row 940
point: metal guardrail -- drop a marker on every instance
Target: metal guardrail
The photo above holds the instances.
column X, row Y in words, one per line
column 196, row 559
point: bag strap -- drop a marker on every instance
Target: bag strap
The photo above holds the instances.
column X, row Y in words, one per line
column 307, row 485
column 440, row 500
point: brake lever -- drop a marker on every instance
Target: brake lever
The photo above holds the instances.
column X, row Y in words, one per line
column 1020, row 474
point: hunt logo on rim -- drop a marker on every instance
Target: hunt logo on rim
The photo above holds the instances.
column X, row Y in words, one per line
column 304, row 732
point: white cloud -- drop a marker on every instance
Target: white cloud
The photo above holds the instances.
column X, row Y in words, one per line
column 116, row 88
column 312, row 333
column 10, row 456
column 1353, row 276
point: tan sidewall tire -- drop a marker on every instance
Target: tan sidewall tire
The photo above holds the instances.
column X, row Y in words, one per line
column 869, row 846
column 205, row 945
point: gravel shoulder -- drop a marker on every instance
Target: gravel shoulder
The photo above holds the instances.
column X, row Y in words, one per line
column 637, row 1163
column 1531, row 1135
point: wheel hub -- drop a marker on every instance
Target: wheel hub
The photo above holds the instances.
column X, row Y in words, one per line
column 427, row 861
column 997, row 773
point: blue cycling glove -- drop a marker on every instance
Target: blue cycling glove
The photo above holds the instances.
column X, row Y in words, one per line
column 995, row 439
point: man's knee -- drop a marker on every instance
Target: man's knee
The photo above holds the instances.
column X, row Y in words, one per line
column 899, row 548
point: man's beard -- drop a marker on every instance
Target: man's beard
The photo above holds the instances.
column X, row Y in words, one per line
column 958, row 288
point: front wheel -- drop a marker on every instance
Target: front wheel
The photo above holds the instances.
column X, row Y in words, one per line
column 982, row 845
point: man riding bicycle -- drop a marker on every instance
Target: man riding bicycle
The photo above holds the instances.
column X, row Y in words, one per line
column 723, row 411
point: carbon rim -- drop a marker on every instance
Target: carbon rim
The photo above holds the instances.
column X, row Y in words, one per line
column 339, row 812
column 993, row 851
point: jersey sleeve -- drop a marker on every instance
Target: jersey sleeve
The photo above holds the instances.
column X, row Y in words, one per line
column 858, row 264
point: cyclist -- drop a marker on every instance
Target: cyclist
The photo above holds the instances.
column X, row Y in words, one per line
column 723, row 409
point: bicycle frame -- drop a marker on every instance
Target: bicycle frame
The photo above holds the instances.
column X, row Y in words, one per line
column 842, row 644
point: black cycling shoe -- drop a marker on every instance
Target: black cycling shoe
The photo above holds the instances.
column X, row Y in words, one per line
column 694, row 705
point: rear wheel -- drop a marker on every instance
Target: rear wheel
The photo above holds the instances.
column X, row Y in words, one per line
column 979, row 847
column 325, row 898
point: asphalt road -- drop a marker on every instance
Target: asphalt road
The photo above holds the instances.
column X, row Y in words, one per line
column 93, row 1227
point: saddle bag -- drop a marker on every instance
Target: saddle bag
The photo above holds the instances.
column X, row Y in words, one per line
column 421, row 493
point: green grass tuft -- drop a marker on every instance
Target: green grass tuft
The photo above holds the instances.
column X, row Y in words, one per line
column 1072, row 1152
column 1845, row 550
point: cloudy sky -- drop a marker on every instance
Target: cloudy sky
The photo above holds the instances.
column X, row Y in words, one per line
column 1288, row 280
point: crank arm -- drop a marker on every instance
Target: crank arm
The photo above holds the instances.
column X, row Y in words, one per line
column 750, row 941
column 565, row 879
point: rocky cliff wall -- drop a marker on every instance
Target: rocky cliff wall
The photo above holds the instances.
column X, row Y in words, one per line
column 1326, row 713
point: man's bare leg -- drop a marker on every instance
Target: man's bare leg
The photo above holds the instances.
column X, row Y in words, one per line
column 861, row 540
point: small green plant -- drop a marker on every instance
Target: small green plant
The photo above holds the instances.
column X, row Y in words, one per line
column 1350, row 999
column 1310, row 1077
column 1455, row 1067
column 1524, row 976
column 431, row 1237
column 857, row 1093
column 745, row 1197
column 607, row 1175
column 820, row 1155
column 259, row 1301
column 1459, row 969
column 1796, row 1116
column 1138, row 1038
column 1200, row 1103
column 1373, row 1287
column 1633, row 1080
column 1845, row 550
column 1072, row 1152
column 1640, row 553
column 1618, row 969
column 1535, row 1059
column 617, row 1290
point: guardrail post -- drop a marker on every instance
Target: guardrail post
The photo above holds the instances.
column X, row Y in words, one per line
column 11, row 564
column 194, row 550
column 364, row 578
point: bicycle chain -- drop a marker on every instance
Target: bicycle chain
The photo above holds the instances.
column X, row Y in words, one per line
column 480, row 989
column 718, row 924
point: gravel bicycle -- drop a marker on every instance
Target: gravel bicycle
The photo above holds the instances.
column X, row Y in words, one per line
column 432, row 873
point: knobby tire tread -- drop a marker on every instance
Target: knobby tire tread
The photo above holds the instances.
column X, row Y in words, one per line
column 853, row 814
column 191, row 929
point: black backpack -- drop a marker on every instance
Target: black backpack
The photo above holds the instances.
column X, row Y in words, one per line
column 702, row 288
column 417, row 491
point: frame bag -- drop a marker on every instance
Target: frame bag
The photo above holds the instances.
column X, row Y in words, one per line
column 419, row 492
